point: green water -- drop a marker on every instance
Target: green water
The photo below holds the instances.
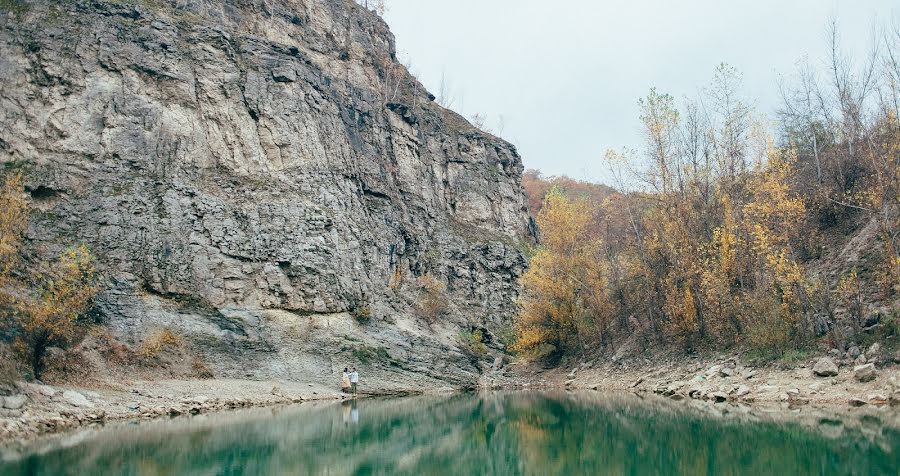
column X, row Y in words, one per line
column 505, row 433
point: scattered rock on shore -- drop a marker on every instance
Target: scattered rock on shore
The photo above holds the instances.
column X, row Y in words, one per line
column 13, row 402
column 76, row 399
column 865, row 373
column 857, row 402
column 825, row 367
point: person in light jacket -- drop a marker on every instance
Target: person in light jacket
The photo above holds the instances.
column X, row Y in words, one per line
column 354, row 381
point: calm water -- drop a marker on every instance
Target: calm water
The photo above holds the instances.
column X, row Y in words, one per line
column 508, row 433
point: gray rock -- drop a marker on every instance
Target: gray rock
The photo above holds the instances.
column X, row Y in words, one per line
column 872, row 319
column 853, row 352
column 825, row 367
column 865, row 373
column 874, row 350
column 726, row 371
column 857, row 402
column 719, row 396
column 46, row 390
column 14, row 402
column 741, row 391
column 76, row 399
column 134, row 406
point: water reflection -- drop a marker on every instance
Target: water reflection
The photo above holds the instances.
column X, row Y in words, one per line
column 513, row 433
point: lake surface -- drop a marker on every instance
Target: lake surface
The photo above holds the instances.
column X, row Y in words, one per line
column 496, row 433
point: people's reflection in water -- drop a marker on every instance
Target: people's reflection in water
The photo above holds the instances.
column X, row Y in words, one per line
column 345, row 411
column 350, row 412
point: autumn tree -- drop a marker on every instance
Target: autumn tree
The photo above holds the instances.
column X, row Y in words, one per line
column 48, row 317
column 565, row 305
column 41, row 305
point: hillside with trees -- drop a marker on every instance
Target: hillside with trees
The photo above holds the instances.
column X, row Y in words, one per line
column 728, row 230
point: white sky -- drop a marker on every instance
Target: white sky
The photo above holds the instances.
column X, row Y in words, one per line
column 566, row 75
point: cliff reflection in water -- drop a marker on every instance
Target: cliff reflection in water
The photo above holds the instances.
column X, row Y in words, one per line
column 505, row 433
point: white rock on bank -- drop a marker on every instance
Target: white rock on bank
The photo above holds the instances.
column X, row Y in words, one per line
column 76, row 399
column 825, row 367
column 13, row 402
column 865, row 373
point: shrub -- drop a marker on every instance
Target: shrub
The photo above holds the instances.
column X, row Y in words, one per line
column 473, row 342
column 201, row 370
column 159, row 341
column 362, row 314
column 432, row 303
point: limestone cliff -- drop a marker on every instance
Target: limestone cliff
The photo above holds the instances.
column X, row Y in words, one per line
column 250, row 172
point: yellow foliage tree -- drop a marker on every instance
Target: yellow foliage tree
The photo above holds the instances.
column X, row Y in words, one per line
column 565, row 304
column 48, row 317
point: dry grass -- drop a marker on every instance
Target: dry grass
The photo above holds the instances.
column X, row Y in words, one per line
column 159, row 341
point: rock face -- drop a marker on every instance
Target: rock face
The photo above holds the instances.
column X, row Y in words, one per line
column 249, row 173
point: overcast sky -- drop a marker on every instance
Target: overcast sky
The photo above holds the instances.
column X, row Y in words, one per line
column 566, row 75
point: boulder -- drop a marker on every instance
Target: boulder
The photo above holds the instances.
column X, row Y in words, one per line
column 872, row 319
column 741, row 391
column 76, row 399
column 825, row 367
column 14, row 402
column 865, row 373
column 726, row 371
column 874, row 350
column 853, row 352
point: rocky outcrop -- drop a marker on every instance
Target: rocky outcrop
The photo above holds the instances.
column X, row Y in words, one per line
column 251, row 173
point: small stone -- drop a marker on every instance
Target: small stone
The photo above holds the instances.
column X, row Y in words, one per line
column 857, row 402
column 825, row 367
column 877, row 399
column 741, row 390
column 637, row 382
column 726, row 371
column 750, row 374
column 76, row 399
column 865, row 373
column 174, row 411
column 861, row 360
column 134, row 406
column 853, row 352
column 719, row 397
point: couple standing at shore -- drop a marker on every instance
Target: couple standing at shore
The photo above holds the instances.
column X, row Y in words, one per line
column 349, row 381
